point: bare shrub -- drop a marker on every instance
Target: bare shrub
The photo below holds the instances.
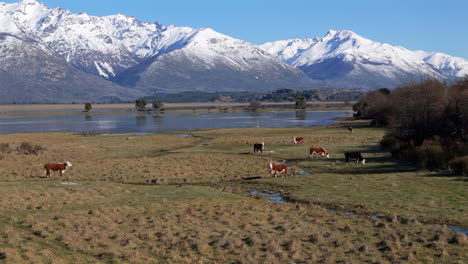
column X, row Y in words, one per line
column 426, row 121
column 28, row 148
column 89, row 133
column 374, row 105
column 5, row 148
column 430, row 155
column 459, row 165
column 255, row 105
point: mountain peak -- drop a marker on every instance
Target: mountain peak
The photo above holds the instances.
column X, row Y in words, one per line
column 340, row 34
column 28, row 2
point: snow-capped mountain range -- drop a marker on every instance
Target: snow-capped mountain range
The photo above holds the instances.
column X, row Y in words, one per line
column 349, row 60
column 121, row 57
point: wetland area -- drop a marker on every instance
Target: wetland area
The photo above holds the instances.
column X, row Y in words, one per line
column 193, row 195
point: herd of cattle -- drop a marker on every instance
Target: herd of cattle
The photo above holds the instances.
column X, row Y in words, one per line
column 282, row 169
column 275, row 168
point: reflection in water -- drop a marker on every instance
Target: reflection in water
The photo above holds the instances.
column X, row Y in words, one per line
column 301, row 115
column 255, row 113
column 158, row 121
column 142, row 122
column 88, row 117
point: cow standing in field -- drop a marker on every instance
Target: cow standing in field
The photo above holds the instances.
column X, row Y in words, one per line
column 350, row 128
column 259, row 147
column 354, row 156
column 320, row 151
column 60, row 167
column 278, row 169
column 298, row 140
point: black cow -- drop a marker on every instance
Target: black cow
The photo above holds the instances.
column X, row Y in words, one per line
column 259, row 147
column 354, row 156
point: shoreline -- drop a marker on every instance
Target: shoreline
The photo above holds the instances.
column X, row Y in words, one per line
column 25, row 108
column 38, row 112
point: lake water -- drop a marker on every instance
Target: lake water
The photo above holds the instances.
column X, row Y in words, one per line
column 141, row 122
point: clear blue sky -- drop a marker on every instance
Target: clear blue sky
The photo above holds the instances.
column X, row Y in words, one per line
column 430, row 25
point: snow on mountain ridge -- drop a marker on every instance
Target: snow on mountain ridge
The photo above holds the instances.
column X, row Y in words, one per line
column 85, row 41
column 358, row 56
column 107, row 46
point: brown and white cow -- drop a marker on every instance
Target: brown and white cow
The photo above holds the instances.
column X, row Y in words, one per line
column 278, row 169
column 320, row 151
column 259, row 147
column 298, row 140
column 350, row 129
column 60, row 167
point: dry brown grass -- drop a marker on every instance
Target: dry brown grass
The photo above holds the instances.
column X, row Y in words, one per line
column 101, row 221
column 171, row 168
column 208, row 231
column 309, row 140
column 83, row 152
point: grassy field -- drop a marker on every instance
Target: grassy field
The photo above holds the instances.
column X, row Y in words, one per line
column 172, row 199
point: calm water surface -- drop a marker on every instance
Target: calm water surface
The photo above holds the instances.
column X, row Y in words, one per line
column 150, row 122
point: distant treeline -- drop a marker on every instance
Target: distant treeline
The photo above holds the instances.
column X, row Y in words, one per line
column 427, row 122
column 281, row 95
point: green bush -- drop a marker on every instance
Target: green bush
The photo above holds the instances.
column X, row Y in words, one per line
column 459, row 165
column 88, row 107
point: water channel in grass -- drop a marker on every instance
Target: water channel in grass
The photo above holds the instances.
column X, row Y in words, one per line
column 277, row 198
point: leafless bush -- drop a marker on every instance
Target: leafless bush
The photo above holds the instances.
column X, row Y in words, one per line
column 89, row 133
column 430, row 155
column 255, row 105
column 427, row 122
column 28, row 148
column 459, row 165
column 374, row 105
column 5, row 148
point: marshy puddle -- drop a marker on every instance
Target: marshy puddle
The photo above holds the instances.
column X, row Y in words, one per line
column 183, row 135
column 276, row 197
column 69, row 183
column 303, row 172
column 204, row 142
column 127, row 134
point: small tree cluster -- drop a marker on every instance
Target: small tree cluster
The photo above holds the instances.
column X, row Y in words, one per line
column 140, row 104
column 301, row 102
column 158, row 104
column 255, row 105
column 88, row 107
column 374, row 105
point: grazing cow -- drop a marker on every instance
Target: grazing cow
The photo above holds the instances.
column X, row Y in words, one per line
column 259, row 147
column 350, row 128
column 279, row 169
column 354, row 156
column 60, row 167
column 298, row 140
column 320, row 151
